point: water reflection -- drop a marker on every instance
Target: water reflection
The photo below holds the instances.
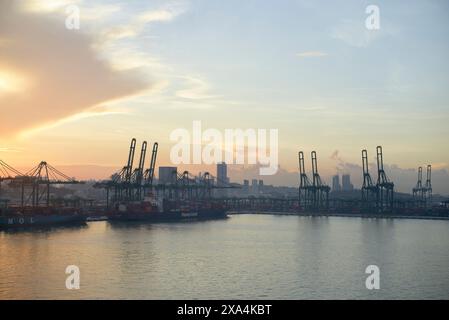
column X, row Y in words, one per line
column 45, row 229
column 245, row 256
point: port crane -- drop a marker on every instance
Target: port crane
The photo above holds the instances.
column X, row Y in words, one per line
column 384, row 185
column 305, row 187
column 185, row 186
column 427, row 190
column 36, row 184
column 121, row 181
column 312, row 195
column 137, row 176
column 7, row 173
column 128, row 171
column 130, row 184
column 369, row 189
column 149, row 173
column 142, row 180
column 320, row 190
column 418, row 190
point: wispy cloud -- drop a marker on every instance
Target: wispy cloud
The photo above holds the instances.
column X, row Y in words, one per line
column 46, row 6
column 136, row 25
column 196, row 89
column 311, row 54
column 98, row 11
column 98, row 111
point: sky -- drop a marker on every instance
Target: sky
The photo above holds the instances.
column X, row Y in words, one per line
column 310, row 69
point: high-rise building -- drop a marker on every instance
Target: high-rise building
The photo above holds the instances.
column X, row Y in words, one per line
column 254, row 186
column 336, row 183
column 167, row 175
column 222, row 174
column 245, row 186
column 346, row 183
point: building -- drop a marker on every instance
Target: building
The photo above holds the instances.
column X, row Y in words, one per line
column 167, row 175
column 346, row 183
column 336, row 183
column 246, row 187
column 254, row 186
column 222, row 174
column 261, row 188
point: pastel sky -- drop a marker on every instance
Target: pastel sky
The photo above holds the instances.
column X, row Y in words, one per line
column 145, row 68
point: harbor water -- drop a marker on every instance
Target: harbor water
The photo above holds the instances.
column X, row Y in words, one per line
column 243, row 257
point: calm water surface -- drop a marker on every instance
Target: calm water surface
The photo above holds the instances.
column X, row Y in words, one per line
column 243, row 257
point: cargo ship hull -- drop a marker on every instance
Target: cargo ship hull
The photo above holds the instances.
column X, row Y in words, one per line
column 11, row 221
column 169, row 216
column 167, row 211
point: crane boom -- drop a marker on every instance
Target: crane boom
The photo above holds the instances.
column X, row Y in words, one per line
column 139, row 173
column 129, row 167
column 150, row 170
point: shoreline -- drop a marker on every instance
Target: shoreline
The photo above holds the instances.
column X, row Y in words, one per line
column 342, row 215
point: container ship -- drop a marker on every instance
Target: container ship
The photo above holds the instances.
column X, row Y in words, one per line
column 11, row 217
column 167, row 211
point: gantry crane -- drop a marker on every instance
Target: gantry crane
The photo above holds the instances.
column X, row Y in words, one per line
column 427, row 190
column 35, row 184
column 129, row 171
column 369, row 189
column 129, row 184
column 6, row 173
column 121, row 182
column 320, row 190
column 418, row 190
column 149, row 173
column 385, row 186
column 185, row 186
column 137, row 177
column 305, row 187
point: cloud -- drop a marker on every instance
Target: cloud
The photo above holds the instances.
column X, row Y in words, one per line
column 311, row 54
column 157, row 15
column 334, row 155
column 92, row 112
column 137, row 24
column 47, row 5
column 197, row 89
column 51, row 73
